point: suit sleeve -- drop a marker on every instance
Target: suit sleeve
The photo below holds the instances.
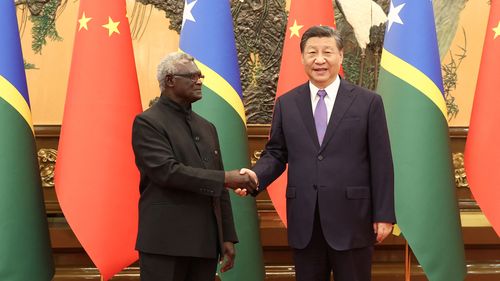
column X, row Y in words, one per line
column 154, row 156
column 272, row 162
column 382, row 170
column 228, row 229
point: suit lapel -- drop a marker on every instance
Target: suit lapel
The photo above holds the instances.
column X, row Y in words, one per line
column 344, row 99
column 303, row 100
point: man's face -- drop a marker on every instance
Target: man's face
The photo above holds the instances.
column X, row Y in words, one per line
column 322, row 59
column 187, row 82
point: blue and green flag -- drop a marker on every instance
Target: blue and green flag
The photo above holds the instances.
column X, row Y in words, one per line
column 412, row 89
column 25, row 252
column 207, row 35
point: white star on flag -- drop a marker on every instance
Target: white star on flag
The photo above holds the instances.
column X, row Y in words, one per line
column 188, row 14
column 393, row 16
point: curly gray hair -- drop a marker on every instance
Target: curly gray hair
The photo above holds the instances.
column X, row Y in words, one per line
column 168, row 66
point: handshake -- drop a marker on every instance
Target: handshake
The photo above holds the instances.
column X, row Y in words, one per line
column 242, row 182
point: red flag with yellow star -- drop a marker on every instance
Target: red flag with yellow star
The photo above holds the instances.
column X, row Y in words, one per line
column 96, row 179
column 303, row 15
column 482, row 153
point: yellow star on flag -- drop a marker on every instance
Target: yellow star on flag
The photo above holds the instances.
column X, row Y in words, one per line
column 295, row 29
column 497, row 31
column 112, row 26
column 83, row 22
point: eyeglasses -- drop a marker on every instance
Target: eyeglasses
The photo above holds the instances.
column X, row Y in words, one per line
column 194, row 77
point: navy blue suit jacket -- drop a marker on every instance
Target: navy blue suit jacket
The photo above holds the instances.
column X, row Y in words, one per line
column 349, row 177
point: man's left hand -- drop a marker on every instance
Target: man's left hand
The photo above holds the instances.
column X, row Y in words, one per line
column 382, row 229
column 227, row 260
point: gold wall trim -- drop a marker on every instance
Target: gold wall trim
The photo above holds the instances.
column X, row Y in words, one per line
column 459, row 168
column 474, row 219
column 47, row 162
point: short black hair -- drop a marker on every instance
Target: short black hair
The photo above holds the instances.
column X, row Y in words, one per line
column 321, row 31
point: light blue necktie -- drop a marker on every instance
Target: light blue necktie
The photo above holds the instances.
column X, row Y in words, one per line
column 320, row 116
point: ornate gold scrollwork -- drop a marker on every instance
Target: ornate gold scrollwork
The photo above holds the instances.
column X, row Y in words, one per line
column 460, row 175
column 47, row 161
column 256, row 156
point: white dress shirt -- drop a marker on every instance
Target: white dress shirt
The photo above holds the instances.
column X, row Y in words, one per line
column 331, row 94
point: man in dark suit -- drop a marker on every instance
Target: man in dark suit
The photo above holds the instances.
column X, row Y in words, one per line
column 333, row 136
column 185, row 217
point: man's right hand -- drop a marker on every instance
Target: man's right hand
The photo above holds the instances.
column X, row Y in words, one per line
column 236, row 180
column 242, row 191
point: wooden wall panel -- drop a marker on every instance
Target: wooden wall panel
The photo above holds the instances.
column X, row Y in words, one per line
column 481, row 242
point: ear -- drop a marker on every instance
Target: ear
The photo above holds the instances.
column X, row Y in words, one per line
column 169, row 81
column 302, row 59
column 341, row 53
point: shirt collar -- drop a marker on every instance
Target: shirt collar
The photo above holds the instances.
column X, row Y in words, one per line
column 331, row 89
column 172, row 104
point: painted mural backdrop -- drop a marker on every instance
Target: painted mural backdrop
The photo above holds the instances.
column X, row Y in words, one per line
column 47, row 28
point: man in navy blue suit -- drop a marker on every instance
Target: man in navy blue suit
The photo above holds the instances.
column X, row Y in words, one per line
column 340, row 193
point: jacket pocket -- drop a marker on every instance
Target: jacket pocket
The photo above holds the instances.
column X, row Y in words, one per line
column 290, row 192
column 358, row 192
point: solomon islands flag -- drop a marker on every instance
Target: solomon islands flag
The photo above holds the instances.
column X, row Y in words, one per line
column 24, row 236
column 411, row 86
column 207, row 35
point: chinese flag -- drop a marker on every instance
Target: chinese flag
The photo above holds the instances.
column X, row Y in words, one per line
column 96, row 178
column 482, row 153
column 303, row 14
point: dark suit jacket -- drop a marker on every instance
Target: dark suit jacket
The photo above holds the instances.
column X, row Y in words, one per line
column 349, row 177
column 184, row 209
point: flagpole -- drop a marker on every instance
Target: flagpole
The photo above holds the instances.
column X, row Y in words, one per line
column 407, row 262
column 102, row 278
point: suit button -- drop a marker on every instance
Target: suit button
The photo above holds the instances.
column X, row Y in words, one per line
column 197, row 138
column 205, row 159
column 315, row 187
column 320, row 157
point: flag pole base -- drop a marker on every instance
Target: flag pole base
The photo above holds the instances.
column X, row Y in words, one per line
column 407, row 262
